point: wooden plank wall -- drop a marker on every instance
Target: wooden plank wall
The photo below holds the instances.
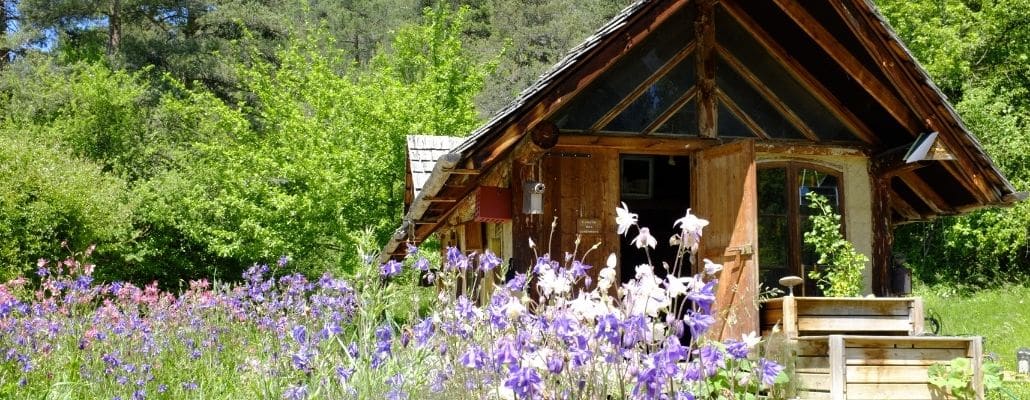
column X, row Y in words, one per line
column 877, row 367
column 816, row 316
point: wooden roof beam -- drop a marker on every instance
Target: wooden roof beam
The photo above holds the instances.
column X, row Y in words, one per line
column 642, row 87
column 707, row 109
column 798, row 72
column 926, row 193
column 768, row 94
column 903, row 208
column 826, row 40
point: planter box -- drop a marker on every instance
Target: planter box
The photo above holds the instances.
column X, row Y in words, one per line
column 840, row 367
column 821, row 316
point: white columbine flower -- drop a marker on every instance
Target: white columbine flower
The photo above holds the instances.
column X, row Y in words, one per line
column 751, row 339
column 712, row 268
column 606, row 278
column 514, row 308
column 624, row 218
column 549, row 283
column 644, row 239
column 676, row 286
column 690, row 229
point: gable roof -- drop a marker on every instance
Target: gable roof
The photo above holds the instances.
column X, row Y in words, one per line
column 842, row 50
column 423, row 152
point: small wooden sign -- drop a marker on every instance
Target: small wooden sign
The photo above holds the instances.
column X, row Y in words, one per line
column 588, row 225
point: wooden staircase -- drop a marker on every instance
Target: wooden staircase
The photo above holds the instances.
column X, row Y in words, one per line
column 865, row 348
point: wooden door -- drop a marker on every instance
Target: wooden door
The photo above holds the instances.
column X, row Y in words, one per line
column 724, row 193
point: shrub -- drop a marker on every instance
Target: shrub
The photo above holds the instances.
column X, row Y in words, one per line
column 841, row 264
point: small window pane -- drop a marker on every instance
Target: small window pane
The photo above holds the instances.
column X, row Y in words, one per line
column 656, row 99
column 684, row 122
column 773, row 226
column 730, row 125
column 753, row 103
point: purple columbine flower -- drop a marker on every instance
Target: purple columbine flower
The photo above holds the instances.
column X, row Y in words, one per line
column 300, row 334
column 517, row 283
column 711, row 359
column 488, row 261
column 189, row 386
column 410, row 248
column 525, row 382
column 422, row 264
column 579, row 269
column 608, row 328
column 456, row 260
column 505, row 352
column 555, row 364
column 699, row 323
column 737, row 349
column 296, row 392
column 282, row 261
column 424, row 331
column 390, row 269
column 344, row 373
column 768, row 371
column 474, row 358
column 704, row 296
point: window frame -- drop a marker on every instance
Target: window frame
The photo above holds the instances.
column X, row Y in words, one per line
column 795, row 237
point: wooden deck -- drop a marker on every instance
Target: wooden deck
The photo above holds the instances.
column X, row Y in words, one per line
column 851, row 349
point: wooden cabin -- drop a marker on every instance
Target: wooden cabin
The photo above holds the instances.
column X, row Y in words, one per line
column 733, row 108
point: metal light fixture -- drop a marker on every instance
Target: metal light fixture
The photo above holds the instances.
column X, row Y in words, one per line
column 533, row 197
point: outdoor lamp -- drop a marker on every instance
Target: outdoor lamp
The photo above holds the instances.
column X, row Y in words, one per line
column 1023, row 359
column 533, row 197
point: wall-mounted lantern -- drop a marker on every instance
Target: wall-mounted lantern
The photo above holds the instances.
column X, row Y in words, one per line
column 533, row 197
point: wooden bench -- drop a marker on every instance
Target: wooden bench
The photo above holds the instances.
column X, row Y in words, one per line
column 853, row 367
column 820, row 316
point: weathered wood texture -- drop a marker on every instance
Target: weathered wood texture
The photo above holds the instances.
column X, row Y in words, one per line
column 814, row 316
column 724, row 193
column 585, row 190
column 855, row 367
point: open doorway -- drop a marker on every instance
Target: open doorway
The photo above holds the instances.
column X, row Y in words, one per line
column 657, row 188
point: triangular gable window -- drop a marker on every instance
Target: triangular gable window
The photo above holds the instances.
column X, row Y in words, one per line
column 652, row 90
column 631, row 71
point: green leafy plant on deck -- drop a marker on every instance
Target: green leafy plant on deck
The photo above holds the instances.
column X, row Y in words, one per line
column 955, row 378
column 839, row 269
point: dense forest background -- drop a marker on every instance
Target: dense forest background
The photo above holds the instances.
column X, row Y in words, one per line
column 190, row 138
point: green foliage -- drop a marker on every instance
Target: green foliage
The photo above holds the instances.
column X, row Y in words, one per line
column 52, row 201
column 977, row 52
column 955, row 378
column 841, row 265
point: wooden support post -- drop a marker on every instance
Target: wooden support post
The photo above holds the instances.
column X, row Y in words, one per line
column 976, row 347
column 917, row 317
column 838, row 369
column 790, row 317
column 704, row 28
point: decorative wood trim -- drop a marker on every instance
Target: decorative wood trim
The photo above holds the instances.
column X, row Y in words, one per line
column 826, row 40
column 704, row 28
column 768, row 94
column 642, row 87
column 797, row 71
column 739, row 112
column 638, row 144
column 789, row 147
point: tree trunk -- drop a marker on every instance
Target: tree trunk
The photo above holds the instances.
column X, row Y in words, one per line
column 5, row 52
column 114, row 27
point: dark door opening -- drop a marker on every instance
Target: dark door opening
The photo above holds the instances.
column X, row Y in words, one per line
column 657, row 188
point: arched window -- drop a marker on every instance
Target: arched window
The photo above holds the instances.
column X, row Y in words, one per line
column 783, row 219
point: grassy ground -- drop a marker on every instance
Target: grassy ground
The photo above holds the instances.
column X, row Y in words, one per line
column 1001, row 316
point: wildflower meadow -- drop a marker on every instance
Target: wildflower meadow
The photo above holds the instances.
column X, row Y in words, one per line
column 550, row 333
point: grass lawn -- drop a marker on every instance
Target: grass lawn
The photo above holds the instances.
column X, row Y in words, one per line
column 1001, row 316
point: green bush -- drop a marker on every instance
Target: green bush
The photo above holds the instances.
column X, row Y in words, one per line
column 52, row 201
